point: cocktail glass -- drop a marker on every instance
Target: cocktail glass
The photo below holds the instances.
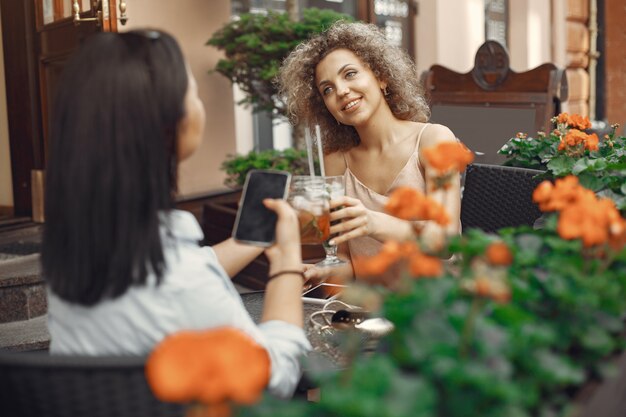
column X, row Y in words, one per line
column 309, row 198
column 335, row 188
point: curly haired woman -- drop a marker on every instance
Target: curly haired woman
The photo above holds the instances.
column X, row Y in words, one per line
column 365, row 95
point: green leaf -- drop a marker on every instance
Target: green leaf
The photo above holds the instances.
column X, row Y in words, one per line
column 591, row 182
column 557, row 369
column 528, row 247
column 597, row 340
column 580, row 166
column 561, row 165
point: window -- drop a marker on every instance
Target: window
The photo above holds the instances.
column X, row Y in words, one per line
column 496, row 21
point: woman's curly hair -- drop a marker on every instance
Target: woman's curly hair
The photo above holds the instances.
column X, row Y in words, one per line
column 296, row 80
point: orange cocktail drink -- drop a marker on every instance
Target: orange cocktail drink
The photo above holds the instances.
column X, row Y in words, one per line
column 309, row 198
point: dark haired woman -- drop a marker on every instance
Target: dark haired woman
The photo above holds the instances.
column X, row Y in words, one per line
column 365, row 95
column 124, row 269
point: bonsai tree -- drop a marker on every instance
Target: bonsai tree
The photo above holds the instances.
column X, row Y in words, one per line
column 255, row 46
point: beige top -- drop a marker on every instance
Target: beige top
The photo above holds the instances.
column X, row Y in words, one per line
column 410, row 175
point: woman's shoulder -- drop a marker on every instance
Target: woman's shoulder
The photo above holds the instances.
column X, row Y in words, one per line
column 435, row 133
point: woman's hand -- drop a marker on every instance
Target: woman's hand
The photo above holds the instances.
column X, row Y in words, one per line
column 314, row 275
column 285, row 254
column 356, row 220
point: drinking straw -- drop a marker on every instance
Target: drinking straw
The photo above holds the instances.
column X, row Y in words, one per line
column 318, row 137
column 309, row 150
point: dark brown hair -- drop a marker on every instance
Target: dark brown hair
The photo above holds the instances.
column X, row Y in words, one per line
column 112, row 164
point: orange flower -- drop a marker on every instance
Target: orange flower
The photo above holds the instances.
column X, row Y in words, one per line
column 591, row 143
column 564, row 192
column 574, row 138
column 617, row 238
column 575, row 224
column 579, row 122
column 389, row 254
column 584, row 216
column 562, row 118
column 482, row 286
column 213, row 367
column 421, row 265
column 493, row 288
column 543, row 192
column 447, row 156
column 409, row 204
column 498, row 253
column 204, row 410
column 584, row 220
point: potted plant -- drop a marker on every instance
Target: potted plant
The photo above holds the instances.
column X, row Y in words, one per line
column 255, row 46
column 292, row 160
column 600, row 165
column 514, row 329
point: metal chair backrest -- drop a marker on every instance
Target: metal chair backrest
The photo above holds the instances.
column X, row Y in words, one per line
column 38, row 384
column 498, row 196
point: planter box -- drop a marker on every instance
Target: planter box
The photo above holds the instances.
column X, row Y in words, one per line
column 218, row 219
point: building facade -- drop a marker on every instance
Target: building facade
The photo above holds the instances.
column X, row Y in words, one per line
column 584, row 36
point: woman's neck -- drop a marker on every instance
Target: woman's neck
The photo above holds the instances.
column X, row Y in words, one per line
column 381, row 132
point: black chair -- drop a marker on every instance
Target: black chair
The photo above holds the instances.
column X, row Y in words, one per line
column 498, row 196
column 37, row 384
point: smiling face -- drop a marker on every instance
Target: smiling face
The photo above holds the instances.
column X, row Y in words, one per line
column 350, row 90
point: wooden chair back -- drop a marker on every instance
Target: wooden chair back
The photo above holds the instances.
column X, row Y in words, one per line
column 491, row 103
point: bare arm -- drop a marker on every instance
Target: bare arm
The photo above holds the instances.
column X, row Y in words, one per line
column 235, row 256
column 433, row 234
column 283, row 294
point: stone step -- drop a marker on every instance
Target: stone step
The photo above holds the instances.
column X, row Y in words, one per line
column 22, row 295
column 22, row 290
column 25, row 335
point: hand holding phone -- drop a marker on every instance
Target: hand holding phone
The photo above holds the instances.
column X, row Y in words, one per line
column 256, row 224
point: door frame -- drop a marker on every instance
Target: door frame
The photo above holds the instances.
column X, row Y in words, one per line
column 26, row 43
column 22, row 90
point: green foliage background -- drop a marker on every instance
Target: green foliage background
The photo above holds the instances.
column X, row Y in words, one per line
column 602, row 171
column 255, row 46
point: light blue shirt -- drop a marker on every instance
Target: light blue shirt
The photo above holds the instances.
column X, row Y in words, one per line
column 195, row 293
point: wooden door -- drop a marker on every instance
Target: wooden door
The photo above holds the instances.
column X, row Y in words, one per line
column 61, row 26
column 38, row 38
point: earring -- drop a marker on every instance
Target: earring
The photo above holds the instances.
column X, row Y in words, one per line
column 385, row 92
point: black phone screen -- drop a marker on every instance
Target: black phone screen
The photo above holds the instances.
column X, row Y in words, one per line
column 255, row 223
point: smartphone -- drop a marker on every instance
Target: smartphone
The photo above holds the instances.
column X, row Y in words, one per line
column 255, row 224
